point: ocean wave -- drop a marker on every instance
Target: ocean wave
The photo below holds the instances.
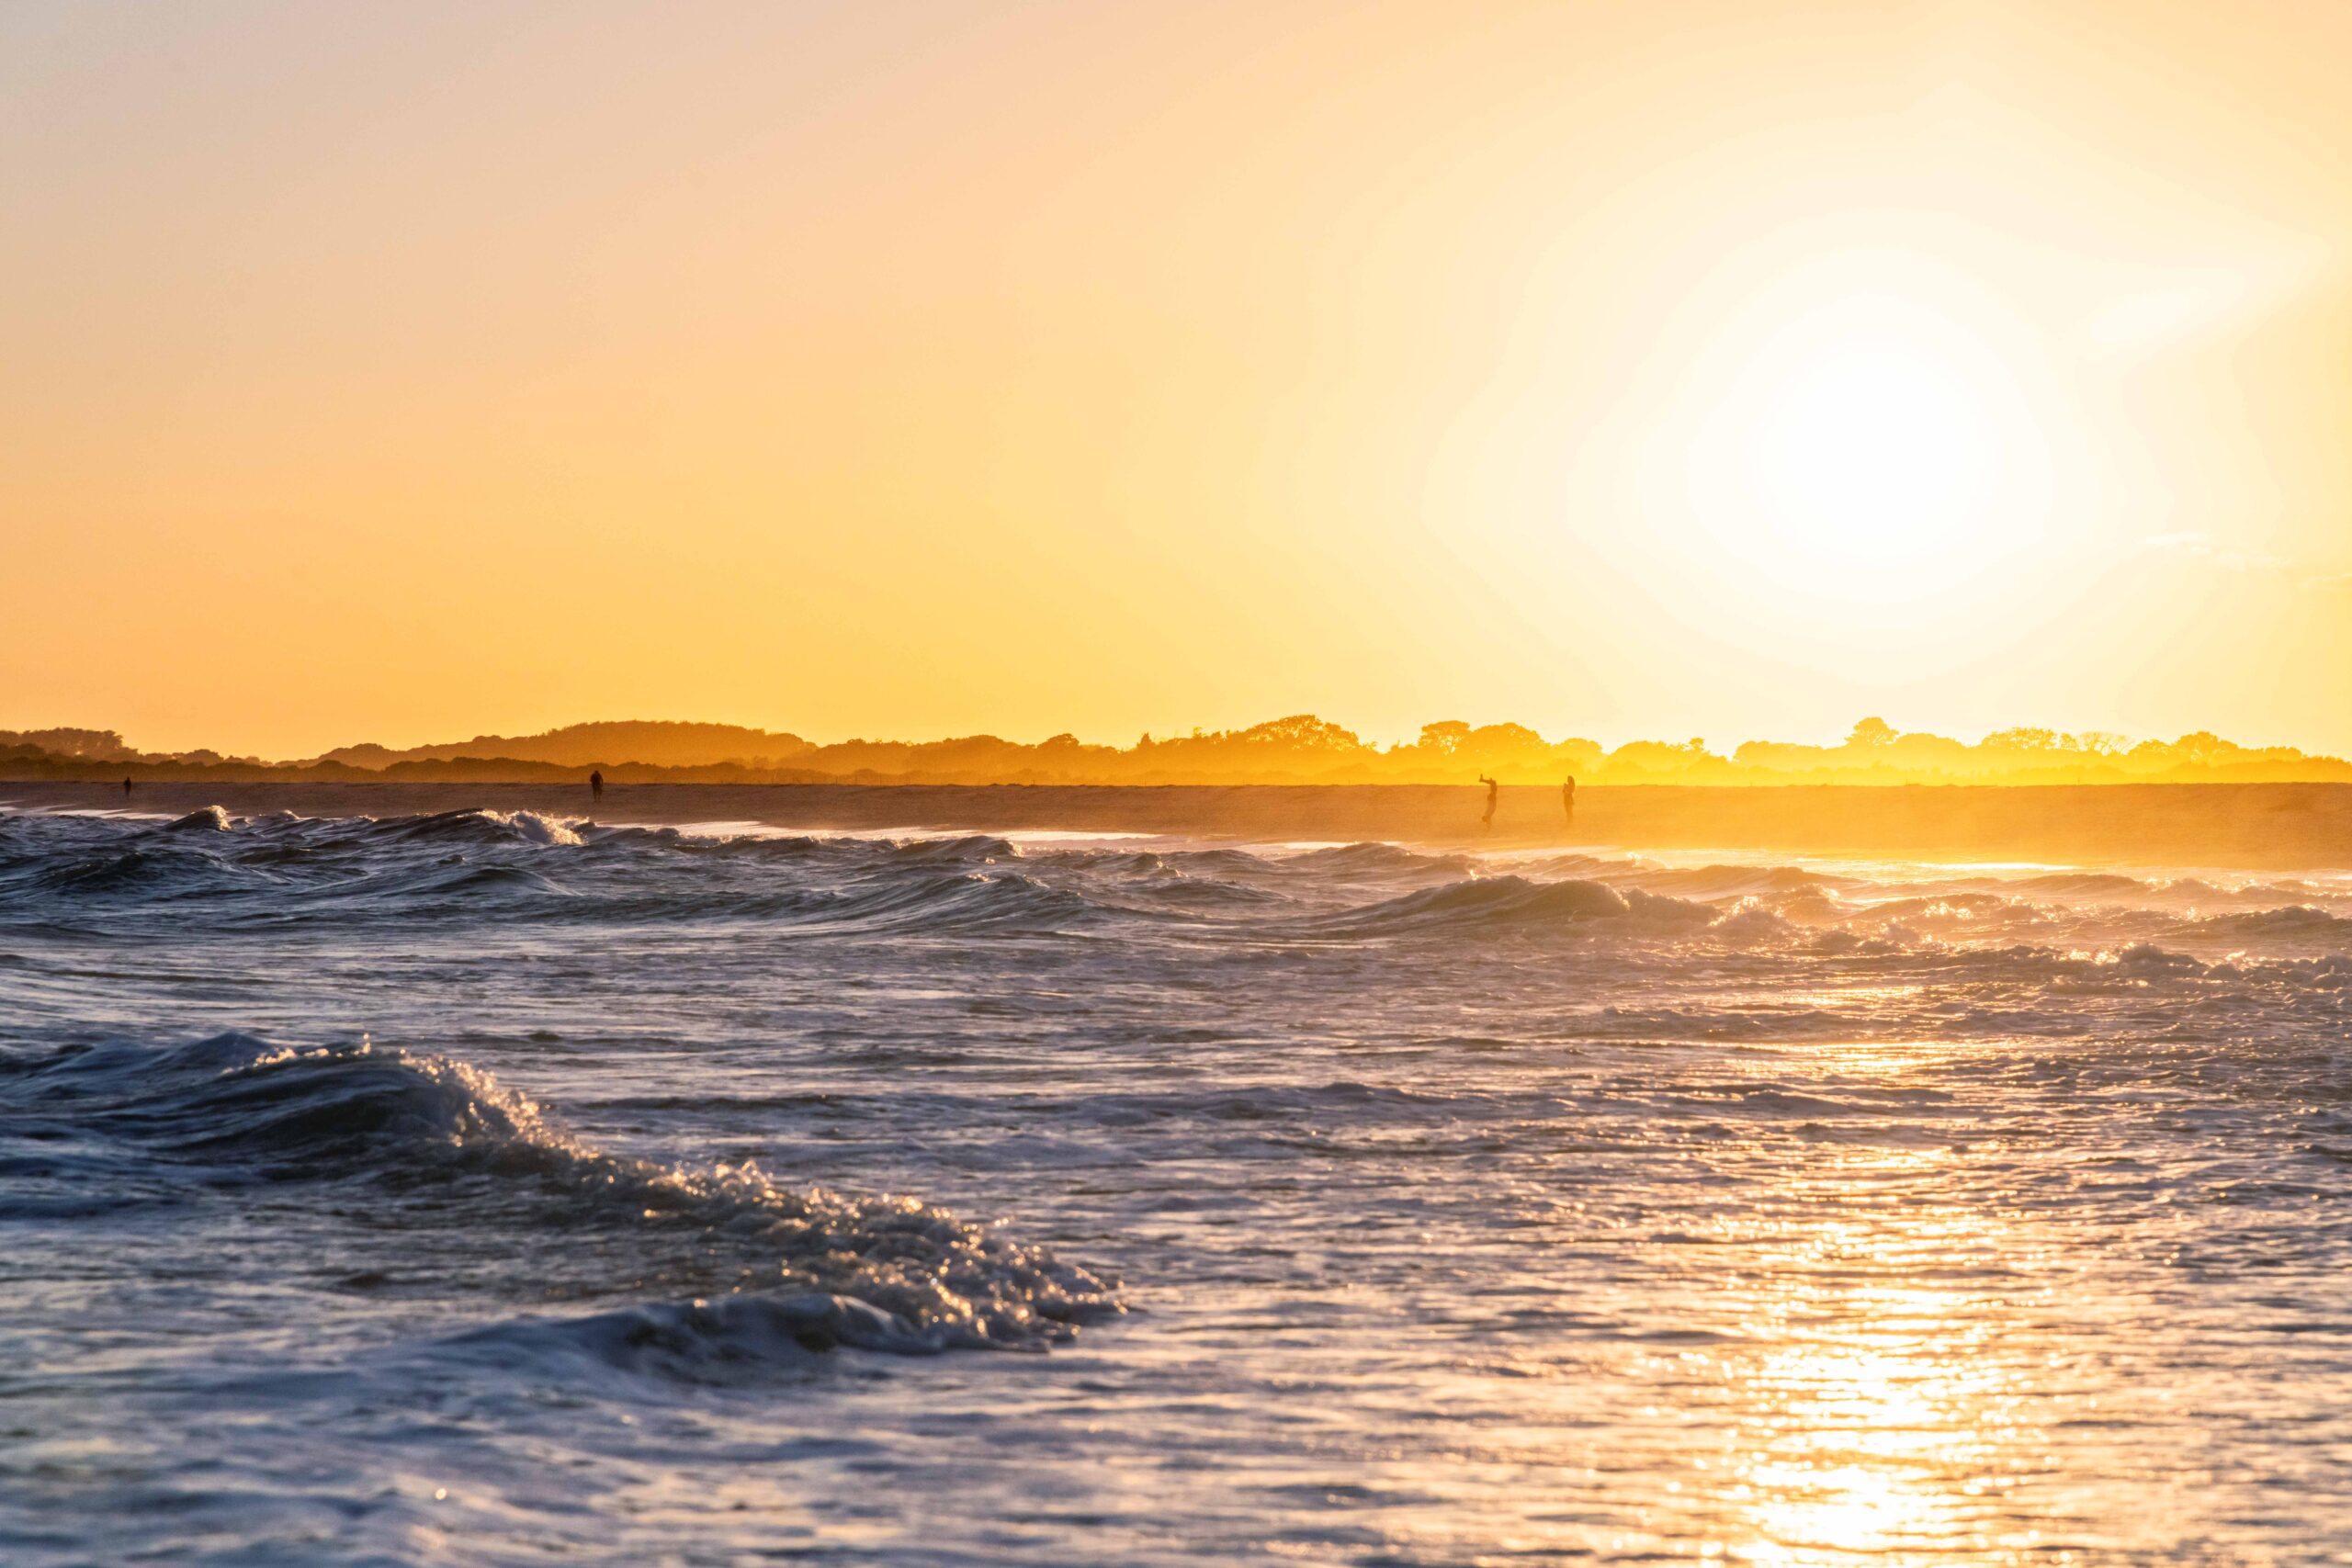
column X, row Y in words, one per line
column 1947, row 907
column 705, row 1340
column 1589, row 868
column 1371, row 859
column 2296, row 921
column 1752, row 921
column 2082, row 884
column 1218, row 863
column 1181, row 880
column 978, row 848
column 1204, row 892
column 480, row 826
column 472, row 881
column 279, row 870
column 1112, row 862
column 161, row 872
column 961, row 902
column 2132, row 965
column 282, row 872
column 1501, row 902
column 1719, row 882
column 445, row 1138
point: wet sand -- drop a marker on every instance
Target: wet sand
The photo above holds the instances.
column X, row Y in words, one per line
column 2258, row 827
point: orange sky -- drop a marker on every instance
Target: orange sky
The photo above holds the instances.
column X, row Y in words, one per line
column 404, row 371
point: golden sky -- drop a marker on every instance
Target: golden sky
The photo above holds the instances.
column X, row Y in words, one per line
column 400, row 371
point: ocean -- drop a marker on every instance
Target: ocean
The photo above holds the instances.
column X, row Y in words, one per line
column 493, row 1188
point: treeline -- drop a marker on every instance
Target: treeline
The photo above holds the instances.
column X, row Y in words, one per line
column 662, row 743
column 1301, row 750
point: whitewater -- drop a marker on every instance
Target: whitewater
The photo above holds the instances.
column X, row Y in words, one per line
column 491, row 1188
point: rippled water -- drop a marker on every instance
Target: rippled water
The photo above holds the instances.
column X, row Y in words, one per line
column 489, row 1190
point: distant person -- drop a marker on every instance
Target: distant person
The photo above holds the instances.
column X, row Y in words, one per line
column 1569, row 800
column 126, row 789
column 1494, row 787
column 595, row 784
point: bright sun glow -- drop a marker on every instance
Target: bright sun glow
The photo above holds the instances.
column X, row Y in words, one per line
column 1871, row 450
column 1859, row 444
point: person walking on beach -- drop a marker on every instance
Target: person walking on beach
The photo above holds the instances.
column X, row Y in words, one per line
column 1569, row 800
column 126, row 788
column 596, row 783
column 1487, row 823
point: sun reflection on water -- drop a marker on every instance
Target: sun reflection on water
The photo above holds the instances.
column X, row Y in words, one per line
column 1886, row 1422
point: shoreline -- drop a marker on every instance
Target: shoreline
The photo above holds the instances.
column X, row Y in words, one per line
column 2255, row 826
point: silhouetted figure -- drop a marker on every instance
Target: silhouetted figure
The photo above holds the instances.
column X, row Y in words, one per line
column 126, row 789
column 1494, row 786
column 595, row 784
column 1569, row 800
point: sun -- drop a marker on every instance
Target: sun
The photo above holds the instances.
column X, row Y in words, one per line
column 1871, row 451
column 1854, row 455
column 1854, row 447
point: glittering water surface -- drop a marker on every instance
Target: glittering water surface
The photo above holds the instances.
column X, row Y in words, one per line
column 490, row 1189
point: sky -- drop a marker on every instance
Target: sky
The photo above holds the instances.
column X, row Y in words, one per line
column 404, row 372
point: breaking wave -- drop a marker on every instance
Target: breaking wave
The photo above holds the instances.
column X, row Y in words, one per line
column 974, row 847
column 1497, row 902
column 1378, row 859
column 442, row 1138
column 479, row 826
column 1711, row 882
column 207, row 869
column 705, row 1340
column 2300, row 922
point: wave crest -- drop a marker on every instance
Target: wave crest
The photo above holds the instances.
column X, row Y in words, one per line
column 705, row 1340
column 235, row 1105
column 1496, row 902
column 481, row 825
